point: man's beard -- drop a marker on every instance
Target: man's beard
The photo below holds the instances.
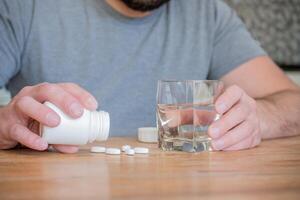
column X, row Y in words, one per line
column 144, row 5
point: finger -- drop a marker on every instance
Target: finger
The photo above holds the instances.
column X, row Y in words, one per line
column 229, row 120
column 234, row 136
column 204, row 117
column 189, row 116
column 176, row 117
column 24, row 136
column 230, row 97
column 38, row 111
column 66, row 148
column 59, row 97
column 248, row 143
column 173, row 118
column 81, row 94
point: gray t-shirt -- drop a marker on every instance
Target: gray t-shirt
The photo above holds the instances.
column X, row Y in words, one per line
column 119, row 59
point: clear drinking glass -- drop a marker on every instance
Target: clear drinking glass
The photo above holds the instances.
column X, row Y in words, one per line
column 185, row 110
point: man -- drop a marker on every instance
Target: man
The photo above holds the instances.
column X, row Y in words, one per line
column 118, row 49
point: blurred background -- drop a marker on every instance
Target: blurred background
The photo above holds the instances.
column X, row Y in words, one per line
column 274, row 23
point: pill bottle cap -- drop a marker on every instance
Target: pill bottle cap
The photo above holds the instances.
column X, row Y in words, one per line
column 148, row 134
column 100, row 124
column 105, row 125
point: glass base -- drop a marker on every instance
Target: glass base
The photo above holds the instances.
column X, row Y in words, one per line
column 186, row 145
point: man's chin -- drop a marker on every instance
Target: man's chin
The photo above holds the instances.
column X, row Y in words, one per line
column 144, row 5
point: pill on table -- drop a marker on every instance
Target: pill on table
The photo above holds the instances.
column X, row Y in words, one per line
column 113, row 151
column 141, row 150
column 98, row 149
column 125, row 147
column 130, row 152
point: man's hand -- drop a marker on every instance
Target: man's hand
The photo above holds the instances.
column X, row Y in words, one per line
column 19, row 118
column 239, row 126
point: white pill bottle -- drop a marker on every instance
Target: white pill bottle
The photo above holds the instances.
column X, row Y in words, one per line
column 91, row 126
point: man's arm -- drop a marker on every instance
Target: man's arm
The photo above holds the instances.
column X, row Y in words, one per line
column 259, row 101
column 277, row 97
column 280, row 114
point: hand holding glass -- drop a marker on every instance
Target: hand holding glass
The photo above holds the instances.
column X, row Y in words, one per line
column 185, row 110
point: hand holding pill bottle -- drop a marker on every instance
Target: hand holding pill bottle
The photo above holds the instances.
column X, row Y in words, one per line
column 20, row 118
column 91, row 126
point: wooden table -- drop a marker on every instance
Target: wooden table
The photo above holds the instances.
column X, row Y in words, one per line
column 271, row 171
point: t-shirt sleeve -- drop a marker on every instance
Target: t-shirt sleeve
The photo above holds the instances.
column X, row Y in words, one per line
column 233, row 44
column 15, row 19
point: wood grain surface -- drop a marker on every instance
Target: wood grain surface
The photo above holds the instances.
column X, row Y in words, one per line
column 271, row 171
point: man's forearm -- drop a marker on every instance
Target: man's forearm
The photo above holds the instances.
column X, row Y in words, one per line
column 279, row 114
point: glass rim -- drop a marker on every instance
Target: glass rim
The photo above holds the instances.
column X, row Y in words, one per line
column 183, row 81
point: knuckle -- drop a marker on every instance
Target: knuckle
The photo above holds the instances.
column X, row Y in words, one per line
column 14, row 130
column 235, row 87
column 233, row 93
column 21, row 101
column 237, row 90
column 47, row 88
column 227, row 123
column 70, row 85
column 242, row 110
column 227, row 92
column 67, row 103
column 85, row 96
column 66, row 84
column 25, row 90
column 237, row 115
column 42, row 84
column 73, row 85
column 68, row 99
column 24, row 98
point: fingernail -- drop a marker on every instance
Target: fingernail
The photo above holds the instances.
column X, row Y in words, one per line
column 52, row 119
column 217, row 144
column 42, row 144
column 76, row 109
column 214, row 132
column 221, row 107
column 92, row 103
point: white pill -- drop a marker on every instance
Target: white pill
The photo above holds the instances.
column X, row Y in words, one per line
column 130, row 152
column 141, row 150
column 125, row 147
column 98, row 149
column 113, row 151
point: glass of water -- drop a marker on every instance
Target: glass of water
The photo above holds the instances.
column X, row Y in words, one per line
column 185, row 110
